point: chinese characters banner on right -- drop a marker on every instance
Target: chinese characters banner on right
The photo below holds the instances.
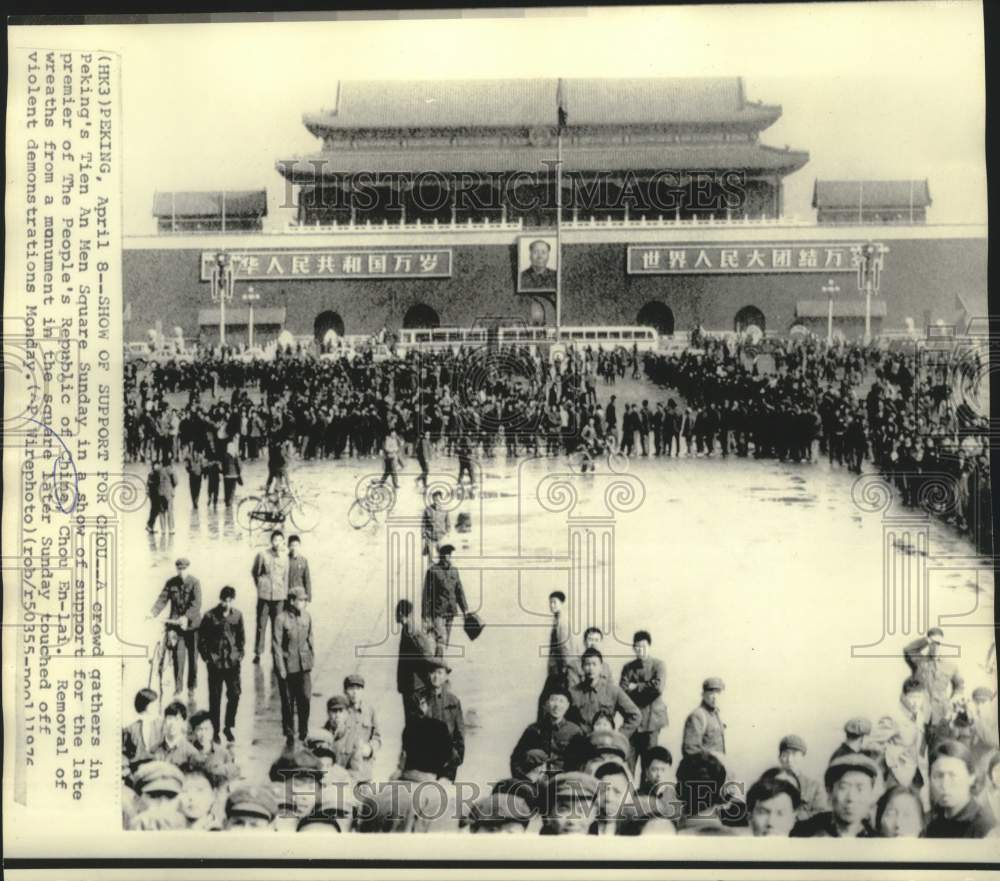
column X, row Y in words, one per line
column 750, row 258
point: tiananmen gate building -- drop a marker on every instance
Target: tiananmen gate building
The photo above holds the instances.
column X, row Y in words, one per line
column 426, row 203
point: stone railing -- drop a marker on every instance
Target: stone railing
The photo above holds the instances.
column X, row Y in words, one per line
column 416, row 226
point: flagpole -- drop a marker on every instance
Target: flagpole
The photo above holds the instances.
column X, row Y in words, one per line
column 559, row 263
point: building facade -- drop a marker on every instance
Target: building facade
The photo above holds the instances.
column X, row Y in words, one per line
column 435, row 204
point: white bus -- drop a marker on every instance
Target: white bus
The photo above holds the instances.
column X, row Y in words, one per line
column 431, row 339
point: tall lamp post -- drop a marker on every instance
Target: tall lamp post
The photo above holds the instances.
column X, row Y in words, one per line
column 250, row 298
column 831, row 289
column 222, row 289
column 869, row 259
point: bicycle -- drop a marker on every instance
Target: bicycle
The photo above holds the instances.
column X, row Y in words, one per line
column 585, row 457
column 373, row 502
column 158, row 661
column 275, row 507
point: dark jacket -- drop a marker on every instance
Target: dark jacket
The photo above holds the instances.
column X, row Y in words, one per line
column 415, row 647
column 184, row 596
column 650, row 675
column 552, row 739
column 447, row 708
column 426, row 746
column 443, row 595
column 293, row 644
column 973, row 821
column 586, row 701
column 824, row 826
column 298, row 575
column 221, row 638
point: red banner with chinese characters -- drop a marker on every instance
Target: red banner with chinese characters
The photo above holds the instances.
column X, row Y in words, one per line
column 742, row 258
column 334, row 263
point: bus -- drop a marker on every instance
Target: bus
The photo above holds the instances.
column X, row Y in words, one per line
column 646, row 339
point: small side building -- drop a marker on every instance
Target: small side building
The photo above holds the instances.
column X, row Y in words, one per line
column 865, row 202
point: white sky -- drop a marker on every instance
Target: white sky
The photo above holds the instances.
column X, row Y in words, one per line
column 887, row 90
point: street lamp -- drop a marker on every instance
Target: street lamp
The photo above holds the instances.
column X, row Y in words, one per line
column 869, row 259
column 831, row 289
column 222, row 289
column 250, row 298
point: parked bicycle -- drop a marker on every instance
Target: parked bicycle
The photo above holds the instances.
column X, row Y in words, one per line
column 273, row 509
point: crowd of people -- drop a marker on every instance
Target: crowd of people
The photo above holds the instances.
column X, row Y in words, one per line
column 847, row 402
column 592, row 762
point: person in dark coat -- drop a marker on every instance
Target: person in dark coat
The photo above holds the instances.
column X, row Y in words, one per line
column 644, row 681
column 416, row 648
column 704, row 730
column 222, row 641
column 298, row 567
column 426, row 745
column 552, row 736
column 211, row 470
column 183, row 593
column 443, row 598
column 437, row 701
column 851, row 781
column 955, row 812
column 232, row 474
column 293, row 662
column 594, row 694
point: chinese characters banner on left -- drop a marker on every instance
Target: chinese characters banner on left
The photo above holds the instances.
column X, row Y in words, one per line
column 394, row 263
column 745, row 258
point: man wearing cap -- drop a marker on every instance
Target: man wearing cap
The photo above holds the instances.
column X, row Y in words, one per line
column 643, row 680
column 856, row 730
column 443, row 598
column 939, row 677
column 426, row 750
column 551, row 736
column 183, row 592
column 704, row 730
column 300, row 772
column 293, row 662
column 570, row 804
column 594, row 693
column 416, row 647
column 500, row 812
column 851, row 782
column 791, row 757
column 435, row 525
column 443, row 705
column 159, row 785
column 362, row 717
column 251, row 807
column 221, row 641
column 344, row 741
column 270, row 575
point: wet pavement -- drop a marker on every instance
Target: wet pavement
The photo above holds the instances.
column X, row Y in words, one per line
column 763, row 573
